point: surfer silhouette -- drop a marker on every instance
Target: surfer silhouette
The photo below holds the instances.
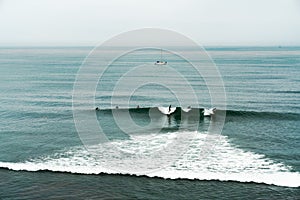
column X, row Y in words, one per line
column 170, row 108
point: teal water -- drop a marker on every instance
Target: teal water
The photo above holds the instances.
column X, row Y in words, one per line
column 42, row 156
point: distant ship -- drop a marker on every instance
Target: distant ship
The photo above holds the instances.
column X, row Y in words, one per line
column 161, row 62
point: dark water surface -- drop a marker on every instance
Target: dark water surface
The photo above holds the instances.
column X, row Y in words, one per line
column 256, row 157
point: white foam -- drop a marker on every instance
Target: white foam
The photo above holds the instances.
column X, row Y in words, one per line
column 166, row 110
column 225, row 163
column 186, row 109
column 209, row 112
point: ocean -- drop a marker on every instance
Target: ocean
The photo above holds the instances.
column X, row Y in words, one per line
column 256, row 156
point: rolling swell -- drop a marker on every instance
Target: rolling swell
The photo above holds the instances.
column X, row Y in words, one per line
column 263, row 115
column 229, row 113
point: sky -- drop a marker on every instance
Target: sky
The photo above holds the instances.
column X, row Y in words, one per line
column 208, row 22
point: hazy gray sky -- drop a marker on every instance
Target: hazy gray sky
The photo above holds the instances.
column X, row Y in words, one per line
column 208, row 22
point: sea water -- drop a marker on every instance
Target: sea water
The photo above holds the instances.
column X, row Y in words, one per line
column 257, row 154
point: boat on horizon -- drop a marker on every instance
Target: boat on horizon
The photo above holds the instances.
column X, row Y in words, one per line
column 160, row 62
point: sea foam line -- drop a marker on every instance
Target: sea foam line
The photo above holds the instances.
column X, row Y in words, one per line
column 225, row 163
